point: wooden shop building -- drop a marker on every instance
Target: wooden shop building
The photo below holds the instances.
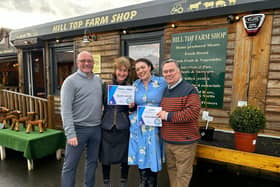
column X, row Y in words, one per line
column 229, row 49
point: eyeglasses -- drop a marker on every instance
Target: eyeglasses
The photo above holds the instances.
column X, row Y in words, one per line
column 86, row 60
column 171, row 71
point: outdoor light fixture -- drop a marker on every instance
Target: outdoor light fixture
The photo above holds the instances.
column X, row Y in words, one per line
column 124, row 32
column 85, row 39
column 89, row 37
column 232, row 18
column 173, row 25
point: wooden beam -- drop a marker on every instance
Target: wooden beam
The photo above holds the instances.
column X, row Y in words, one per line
column 253, row 160
column 242, row 60
column 260, row 64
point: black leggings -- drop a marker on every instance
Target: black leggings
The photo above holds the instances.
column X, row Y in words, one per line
column 107, row 168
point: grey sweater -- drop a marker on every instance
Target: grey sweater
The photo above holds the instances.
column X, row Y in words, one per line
column 81, row 102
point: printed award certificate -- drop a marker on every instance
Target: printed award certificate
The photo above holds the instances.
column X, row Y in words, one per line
column 120, row 95
column 147, row 115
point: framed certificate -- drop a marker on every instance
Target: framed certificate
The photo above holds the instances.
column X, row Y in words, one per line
column 120, row 95
column 147, row 115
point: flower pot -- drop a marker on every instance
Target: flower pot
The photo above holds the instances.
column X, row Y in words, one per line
column 245, row 141
column 207, row 134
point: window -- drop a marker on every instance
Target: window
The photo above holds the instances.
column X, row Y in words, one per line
column 144, row 45
column 62, row 65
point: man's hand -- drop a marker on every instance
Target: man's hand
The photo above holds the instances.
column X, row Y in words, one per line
column 162, row 115
column 73, row 141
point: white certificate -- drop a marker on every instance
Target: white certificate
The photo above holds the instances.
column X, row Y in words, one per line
column 120, row 95
column 147, row 115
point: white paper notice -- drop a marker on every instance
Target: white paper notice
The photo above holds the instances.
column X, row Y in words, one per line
column 120, row 95
column 147, row 115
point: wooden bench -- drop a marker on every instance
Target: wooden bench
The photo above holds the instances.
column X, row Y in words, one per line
column 246, row 159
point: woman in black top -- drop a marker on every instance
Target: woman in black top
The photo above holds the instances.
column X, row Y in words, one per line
column 115, row 127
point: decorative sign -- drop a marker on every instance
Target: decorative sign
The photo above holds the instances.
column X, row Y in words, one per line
column 253, row 23
column 147, row 115
column 202, row 56
column 120, row 95
column 97, row 63
column 147, row 13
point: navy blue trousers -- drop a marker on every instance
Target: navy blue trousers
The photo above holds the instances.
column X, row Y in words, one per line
column 88, row 140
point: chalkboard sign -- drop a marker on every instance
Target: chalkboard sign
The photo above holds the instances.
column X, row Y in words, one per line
column 202, row 57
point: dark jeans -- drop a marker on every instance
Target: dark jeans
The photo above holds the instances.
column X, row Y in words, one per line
column 88, row 139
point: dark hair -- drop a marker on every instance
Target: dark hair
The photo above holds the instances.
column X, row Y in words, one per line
column 132, row 72
column 146, row 61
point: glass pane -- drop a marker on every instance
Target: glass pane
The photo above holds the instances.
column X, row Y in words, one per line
column 9, row 74
column 37, row 75
column 150, row 51
column 65, row 61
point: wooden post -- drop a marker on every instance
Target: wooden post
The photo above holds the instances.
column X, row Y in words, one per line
column 20, row 70
column 260, row 64
column 251, row 62
column 51, row 124
column 242, row 59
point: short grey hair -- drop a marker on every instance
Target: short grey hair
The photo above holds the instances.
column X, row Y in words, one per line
column 170, row 60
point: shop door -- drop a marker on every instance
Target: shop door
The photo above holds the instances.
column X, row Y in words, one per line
column 34, row 73
column 62, row 65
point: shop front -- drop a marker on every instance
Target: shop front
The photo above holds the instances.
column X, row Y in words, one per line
column 228, row 64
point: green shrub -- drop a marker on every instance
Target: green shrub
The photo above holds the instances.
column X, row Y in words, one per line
column 247, row 119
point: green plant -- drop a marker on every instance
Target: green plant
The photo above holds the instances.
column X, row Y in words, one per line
column 248, row 119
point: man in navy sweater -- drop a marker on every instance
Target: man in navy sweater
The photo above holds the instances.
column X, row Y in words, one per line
column 81, row 110
column 180, row 131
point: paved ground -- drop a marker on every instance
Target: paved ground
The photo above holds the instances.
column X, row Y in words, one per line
column 46, row 173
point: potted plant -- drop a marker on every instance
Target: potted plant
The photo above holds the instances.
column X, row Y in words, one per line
column 246, row 121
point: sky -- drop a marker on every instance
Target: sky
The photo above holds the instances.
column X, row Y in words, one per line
column 15, row 14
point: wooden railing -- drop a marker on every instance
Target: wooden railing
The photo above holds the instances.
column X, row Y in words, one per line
column 27, row 103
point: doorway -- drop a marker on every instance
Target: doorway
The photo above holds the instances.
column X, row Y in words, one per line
column 34, row 78
column 62, row 64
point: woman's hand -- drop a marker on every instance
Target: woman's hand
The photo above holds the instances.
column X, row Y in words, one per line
column 131, row 105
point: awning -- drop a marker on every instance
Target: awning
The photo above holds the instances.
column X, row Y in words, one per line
column 145, row 14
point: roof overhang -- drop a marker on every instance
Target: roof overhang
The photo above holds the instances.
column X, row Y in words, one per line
column 145, row 14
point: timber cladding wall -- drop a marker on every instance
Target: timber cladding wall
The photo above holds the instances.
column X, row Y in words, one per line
column 272, row 102
column 107, row 45
column 252, row 71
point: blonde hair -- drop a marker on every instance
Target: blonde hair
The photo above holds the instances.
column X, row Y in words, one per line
column 120, row 62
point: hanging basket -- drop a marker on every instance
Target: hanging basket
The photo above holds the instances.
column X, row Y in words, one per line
column 245, row 141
